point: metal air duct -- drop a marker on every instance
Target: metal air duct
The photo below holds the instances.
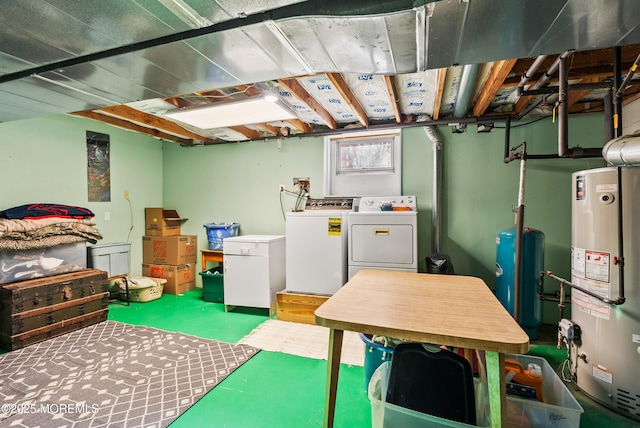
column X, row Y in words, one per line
column 623, row 151
column 465, row 90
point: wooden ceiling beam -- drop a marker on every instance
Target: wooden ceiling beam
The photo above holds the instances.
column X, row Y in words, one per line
column 393, row 97
column 152, row 121
column 251, row 134
column 442, row 76
column 300, row 125
column 130, row 126
column 273, row 130
column 499, row 72
column 349, row 97
column 575, row 96
column 298, row 91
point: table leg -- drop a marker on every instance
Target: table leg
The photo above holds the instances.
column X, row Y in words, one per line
column 497, row 389
column 333, row 369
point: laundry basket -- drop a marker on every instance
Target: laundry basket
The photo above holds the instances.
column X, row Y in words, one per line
column 142, row 288
column 216, row 232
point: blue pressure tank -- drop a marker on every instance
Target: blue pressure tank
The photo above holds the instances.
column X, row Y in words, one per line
column 532, row 265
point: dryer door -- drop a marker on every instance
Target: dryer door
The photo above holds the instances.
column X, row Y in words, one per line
column 383, row 241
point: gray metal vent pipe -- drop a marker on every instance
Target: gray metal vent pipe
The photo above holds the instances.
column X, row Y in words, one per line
column 434, row 135
column 465, row 90
column 623, row 151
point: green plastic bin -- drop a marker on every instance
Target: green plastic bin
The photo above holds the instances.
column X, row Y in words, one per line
column 212, row 285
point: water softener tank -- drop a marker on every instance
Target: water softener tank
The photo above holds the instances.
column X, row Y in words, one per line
column 532, row 265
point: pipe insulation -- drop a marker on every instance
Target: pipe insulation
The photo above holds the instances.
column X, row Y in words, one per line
column 465, row 90
column 517, row 280
column 434, row 136
column 551, row 70
column 563, row 109
column 530, row 72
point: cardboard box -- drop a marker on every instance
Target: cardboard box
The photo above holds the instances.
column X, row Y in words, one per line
column 161, row 222
column 169, row 250
column 179, row 278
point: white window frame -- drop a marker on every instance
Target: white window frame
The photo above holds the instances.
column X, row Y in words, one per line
column 366, row 181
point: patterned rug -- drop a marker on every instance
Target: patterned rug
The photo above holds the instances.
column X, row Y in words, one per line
column 304, row 340
column 112, row 375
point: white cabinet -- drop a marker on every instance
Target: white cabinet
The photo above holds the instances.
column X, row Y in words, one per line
column 254, row 270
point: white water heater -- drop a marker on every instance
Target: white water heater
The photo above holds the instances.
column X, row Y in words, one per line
column 606, row 213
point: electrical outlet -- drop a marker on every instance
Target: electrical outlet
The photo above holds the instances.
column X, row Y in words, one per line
column 107, row 216
column 301, row 185
column 126, row 195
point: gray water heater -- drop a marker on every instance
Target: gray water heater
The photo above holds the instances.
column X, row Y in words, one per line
column 606, row 361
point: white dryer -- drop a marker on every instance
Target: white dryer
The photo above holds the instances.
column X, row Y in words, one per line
column 383, row 234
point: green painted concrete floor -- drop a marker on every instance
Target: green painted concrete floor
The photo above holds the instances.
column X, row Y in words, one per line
column 280, row 390
column 274, row 390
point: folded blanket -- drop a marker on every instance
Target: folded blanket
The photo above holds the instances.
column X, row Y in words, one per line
column 18, row 225
column 49, row 241
column 33, row 211
column 85, row 231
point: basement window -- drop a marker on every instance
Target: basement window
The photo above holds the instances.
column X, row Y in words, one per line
column 363, row 164
column 366, row 155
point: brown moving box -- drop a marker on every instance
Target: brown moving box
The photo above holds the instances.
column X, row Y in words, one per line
column 161, row 222
column 179, row 278
column 169, row 250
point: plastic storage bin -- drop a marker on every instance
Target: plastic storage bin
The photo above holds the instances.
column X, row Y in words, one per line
column 216, row 232
column 213, row 285
column 21, row 265
column 389, row 415
column 560, row 409
column 115, row 259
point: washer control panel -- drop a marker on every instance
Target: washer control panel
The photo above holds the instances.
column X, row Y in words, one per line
column 387, row 203
column 329, row 204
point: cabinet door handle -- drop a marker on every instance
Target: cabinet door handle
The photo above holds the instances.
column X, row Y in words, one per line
column 381, row 232
column 244, row 251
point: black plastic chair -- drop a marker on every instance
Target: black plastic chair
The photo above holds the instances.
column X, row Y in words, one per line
column 431, row 380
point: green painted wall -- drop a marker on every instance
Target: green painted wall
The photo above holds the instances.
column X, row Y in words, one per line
column 44, row 160
column 239, row 182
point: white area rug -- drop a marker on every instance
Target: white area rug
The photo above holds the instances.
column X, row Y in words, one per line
column 304, row 340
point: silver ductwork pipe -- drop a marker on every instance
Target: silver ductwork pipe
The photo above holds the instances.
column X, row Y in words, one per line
column 623, row 151
column 465, row 91
column 434, row 136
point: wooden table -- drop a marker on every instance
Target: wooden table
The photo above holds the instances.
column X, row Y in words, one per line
column 211, row 256
column 451, row 310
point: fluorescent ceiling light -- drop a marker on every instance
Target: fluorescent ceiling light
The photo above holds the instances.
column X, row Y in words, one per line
column 224, row 114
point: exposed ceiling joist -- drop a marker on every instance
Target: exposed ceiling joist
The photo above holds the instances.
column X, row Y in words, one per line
column 391, row 90
column 499, row 72
column 348, row 96
column 125, row 124
column 299, row 92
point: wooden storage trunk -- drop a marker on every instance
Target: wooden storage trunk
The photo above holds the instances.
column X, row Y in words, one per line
column 38, row 309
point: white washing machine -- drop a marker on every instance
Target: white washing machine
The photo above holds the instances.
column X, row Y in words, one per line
column 383, row 234
column 316, row 252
